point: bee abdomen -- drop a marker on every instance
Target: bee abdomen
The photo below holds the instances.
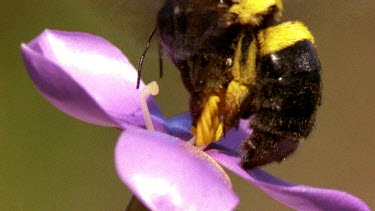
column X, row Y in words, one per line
column 264, row 147
column 288, row 89
column 285, row 98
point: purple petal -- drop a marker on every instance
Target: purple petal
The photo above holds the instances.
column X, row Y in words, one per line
column 179, row 126
column 86, row 77
column 234, row 137
column 296, row 196
column 165, row 173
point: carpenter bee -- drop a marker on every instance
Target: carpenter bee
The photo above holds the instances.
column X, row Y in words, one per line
column 237, row 60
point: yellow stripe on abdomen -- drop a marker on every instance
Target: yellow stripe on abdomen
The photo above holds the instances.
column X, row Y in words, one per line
column 276, row 38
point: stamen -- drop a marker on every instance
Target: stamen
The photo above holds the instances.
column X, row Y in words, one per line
column 192, row 142
column 150, row 89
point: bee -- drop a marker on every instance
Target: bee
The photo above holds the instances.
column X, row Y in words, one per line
column 238, row 60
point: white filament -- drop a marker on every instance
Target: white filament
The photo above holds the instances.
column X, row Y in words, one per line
column 150, row 89
column 192, row 142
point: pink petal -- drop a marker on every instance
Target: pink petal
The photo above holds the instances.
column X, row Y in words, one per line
column 165, row 173
column 299, row 197
column 86, row 77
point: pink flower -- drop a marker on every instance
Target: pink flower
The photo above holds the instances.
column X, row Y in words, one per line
column 90, row 79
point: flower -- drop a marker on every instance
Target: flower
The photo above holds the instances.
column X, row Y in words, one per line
column 90, row 79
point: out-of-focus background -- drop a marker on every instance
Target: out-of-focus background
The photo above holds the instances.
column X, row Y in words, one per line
column 49, row 161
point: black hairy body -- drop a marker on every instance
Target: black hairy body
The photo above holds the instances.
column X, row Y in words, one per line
column 280, row 92
column 283, row 103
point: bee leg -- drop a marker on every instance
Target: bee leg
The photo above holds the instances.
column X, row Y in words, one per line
column 208, row 127
column 265, row 147
column 236, row 98
column 238, row 94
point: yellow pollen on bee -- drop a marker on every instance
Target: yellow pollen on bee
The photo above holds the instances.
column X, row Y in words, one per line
column 209, row 127
column 252, row 11
column 278, row 37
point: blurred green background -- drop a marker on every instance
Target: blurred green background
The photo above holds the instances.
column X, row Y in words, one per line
column 49, row 161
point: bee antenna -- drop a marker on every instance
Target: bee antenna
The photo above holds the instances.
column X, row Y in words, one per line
column 160, row 60
column 143, row 57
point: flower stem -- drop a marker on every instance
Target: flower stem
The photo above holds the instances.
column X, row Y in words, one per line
column 135, row 205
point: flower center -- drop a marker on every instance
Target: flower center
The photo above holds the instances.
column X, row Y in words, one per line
column 209, row 126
